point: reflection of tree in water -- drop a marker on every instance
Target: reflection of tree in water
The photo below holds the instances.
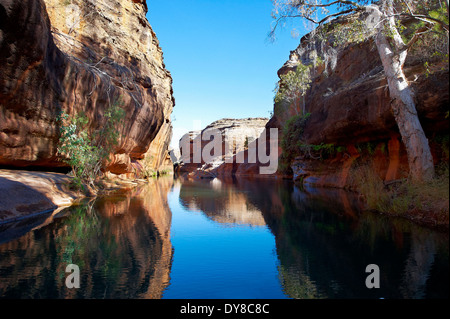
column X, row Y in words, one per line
column 419, row 262
column 120, row 250
column 72, row 242
column 298, row 285
column 109, row 251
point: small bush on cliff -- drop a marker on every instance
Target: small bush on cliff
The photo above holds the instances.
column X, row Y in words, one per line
column 293, row 86
column 291, row 141
column 88, row 152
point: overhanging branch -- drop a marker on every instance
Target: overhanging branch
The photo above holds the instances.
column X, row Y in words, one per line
column 424, row 18
column 421, row 31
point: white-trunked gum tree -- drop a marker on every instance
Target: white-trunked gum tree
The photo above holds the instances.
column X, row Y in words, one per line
column 384, row 22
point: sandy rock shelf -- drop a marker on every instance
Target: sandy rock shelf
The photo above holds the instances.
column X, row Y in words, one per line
column 25, row 193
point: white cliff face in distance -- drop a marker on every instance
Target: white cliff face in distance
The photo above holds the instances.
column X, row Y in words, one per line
column 239, row 133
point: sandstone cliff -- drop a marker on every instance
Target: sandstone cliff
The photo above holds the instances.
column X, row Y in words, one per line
column 81, row 56
column 238, row 133
column 349, row 105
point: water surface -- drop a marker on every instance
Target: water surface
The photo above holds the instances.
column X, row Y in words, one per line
column 221, row 239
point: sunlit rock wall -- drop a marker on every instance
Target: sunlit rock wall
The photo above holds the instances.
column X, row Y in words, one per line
column 81, row 56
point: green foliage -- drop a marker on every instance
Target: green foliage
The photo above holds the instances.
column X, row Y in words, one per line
column 433, row 9
column 403, row 196
column 292, row 137
column 352, row 32
column 78, row 149
column 321, row 151
column 84, row 235
column 383, row 148
column 319, row 61
column 368, row 147
column 164, row 172
column 81, row 225
column 340, row 149
column 147, row 171
column 431, row 47
column 293, row 84
column 246, row 142
column 410, row 17
column 86, row 152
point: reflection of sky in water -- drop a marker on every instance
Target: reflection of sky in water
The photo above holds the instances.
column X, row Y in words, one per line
column 237, row 239
column 212, row 260
column 264, row 239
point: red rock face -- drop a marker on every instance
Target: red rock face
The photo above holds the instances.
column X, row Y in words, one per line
column 49, row 65
column 349, row 106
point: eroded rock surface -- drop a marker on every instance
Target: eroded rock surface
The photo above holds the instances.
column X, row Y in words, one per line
column 238, row 134
column 349, row 106
column 24, row 193
column 81, row 56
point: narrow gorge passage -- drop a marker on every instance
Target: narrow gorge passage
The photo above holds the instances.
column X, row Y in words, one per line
column 224, row 158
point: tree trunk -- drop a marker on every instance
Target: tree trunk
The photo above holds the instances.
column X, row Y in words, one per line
column 420, row 160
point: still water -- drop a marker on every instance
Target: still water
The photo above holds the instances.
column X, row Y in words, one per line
column 221, row 239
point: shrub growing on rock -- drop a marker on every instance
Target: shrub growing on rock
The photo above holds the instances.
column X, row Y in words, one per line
column 87, row 152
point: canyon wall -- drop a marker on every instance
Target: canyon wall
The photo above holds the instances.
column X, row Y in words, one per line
column 81, row 56
column 348, row 110
column 238, row 134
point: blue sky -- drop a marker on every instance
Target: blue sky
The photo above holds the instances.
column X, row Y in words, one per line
column 220, row 58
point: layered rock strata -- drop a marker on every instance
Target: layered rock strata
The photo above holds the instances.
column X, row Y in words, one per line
column 81, row 56
column 234, row 137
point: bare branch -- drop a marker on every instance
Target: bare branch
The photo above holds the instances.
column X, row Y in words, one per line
column 312, row 8
column 407, row 5
column 424, row 18
column 351, row 3
column 339, row 14
column 417, row 35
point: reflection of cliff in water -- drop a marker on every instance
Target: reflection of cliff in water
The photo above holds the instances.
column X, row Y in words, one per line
column 221, row 202
column 324, row 242
column 121, row 244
